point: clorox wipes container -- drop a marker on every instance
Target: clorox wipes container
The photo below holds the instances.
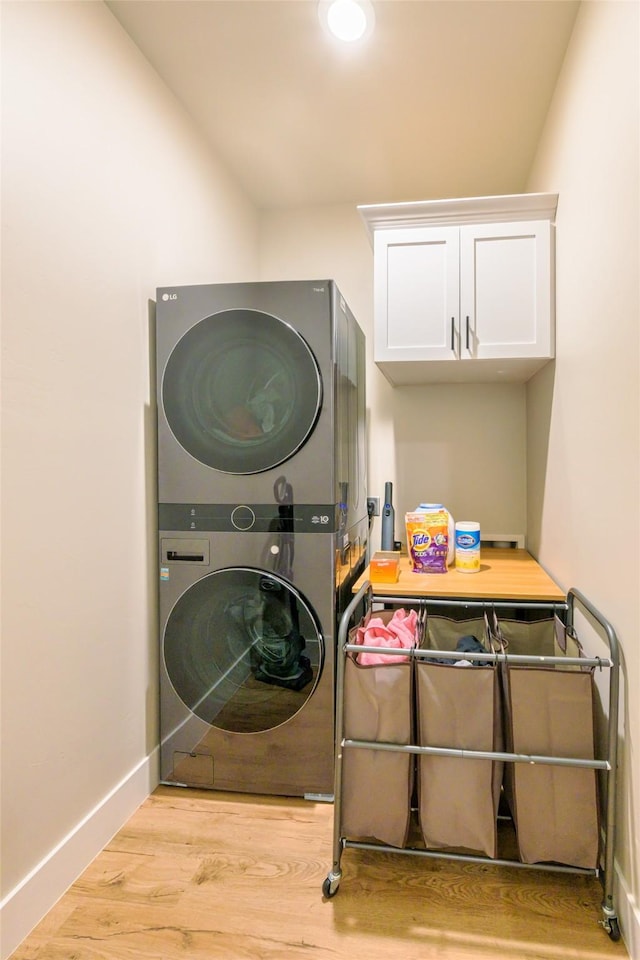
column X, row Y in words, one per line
column 467, row 546
column 430, row 538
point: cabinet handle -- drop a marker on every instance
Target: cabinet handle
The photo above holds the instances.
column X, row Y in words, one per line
column 453, row 333
column 467, row 333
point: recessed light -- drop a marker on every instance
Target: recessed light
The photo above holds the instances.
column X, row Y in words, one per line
column 348, row 20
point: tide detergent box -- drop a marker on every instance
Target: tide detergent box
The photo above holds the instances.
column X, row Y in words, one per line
column 428, row 540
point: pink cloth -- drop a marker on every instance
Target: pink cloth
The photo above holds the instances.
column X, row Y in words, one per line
column 398, row 632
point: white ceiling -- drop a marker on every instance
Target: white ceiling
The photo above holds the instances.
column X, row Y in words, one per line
column 447, row 98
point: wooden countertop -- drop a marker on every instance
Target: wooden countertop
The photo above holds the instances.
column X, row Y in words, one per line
column 505, row 574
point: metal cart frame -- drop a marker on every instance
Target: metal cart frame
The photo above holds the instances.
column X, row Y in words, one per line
column 366, row 598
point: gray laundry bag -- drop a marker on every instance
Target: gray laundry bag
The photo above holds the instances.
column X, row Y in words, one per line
column 458, row 707
column 377, row 785
column 549, row 711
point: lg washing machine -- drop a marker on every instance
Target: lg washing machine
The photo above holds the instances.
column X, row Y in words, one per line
column 263, row 528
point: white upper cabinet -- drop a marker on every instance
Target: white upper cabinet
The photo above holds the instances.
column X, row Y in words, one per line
column 463, row 289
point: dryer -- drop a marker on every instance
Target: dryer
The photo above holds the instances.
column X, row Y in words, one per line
column 256, row 380
column 262, row 528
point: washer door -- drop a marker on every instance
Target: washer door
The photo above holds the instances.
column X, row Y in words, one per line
column 243, row 650
column 241, row 391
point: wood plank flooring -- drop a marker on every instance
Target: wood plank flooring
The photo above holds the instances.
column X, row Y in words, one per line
column 201, row 875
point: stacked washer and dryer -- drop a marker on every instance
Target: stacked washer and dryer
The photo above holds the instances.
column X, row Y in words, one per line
column 263, row 528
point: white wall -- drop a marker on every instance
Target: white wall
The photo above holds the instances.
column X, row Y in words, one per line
column 463, row 446
column 584, row 416
column 108, row 191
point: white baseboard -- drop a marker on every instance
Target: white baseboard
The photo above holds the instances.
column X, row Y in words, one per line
column 24, row 907
column 628, row 916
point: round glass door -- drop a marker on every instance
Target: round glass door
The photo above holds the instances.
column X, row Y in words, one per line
column 243, row 650
column 241, row 391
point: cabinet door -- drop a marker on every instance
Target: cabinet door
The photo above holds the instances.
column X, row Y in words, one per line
column 417, row 293
column 506, row 290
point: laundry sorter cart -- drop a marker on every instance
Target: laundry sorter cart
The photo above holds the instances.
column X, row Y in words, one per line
column 378, row 739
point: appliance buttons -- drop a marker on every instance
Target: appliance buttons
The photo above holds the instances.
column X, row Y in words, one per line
column 243, row 517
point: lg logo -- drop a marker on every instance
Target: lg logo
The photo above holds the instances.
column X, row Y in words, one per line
column 169, row 296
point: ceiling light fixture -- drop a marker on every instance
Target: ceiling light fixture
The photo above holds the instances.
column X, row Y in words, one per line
column 348, row 20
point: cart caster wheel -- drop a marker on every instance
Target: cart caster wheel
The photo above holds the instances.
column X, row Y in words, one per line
column 330, row 887
column 613, row 929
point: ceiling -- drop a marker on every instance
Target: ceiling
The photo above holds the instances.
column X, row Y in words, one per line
column 447, row 98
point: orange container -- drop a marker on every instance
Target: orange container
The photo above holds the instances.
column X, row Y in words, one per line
column 385, row 566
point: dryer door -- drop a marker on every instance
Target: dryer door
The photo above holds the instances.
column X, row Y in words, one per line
column 243, row 650
column 241, row 391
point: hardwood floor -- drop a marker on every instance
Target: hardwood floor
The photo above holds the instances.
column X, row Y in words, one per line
column 212, row 876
